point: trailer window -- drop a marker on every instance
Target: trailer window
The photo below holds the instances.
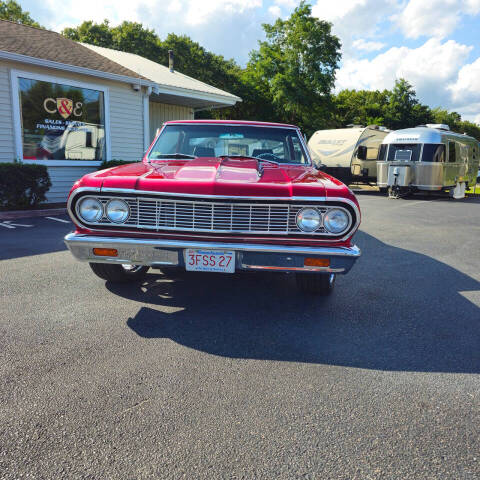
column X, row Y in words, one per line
column 452, row 156
column 382, row 152
column 402, row 152
column 433, row 152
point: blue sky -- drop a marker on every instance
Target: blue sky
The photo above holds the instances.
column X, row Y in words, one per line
column 432, row 43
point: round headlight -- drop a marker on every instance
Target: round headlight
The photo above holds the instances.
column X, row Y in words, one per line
column 336, row 221
column 117, row 211
column 90, row 209
column 309, row 219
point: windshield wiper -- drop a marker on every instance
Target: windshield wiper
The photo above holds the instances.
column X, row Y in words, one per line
column 172, row 155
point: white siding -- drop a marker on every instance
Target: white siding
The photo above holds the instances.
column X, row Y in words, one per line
column 62, row 180
column 126, row 123
column 7, row 142
column 161, row 112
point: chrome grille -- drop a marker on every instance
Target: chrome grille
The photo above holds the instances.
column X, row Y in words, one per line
column 214, row 216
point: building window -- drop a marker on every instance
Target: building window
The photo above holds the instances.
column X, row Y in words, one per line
column 61, row 122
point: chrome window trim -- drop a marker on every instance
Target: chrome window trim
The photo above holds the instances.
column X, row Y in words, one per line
column 302, row 140
column 76, row 220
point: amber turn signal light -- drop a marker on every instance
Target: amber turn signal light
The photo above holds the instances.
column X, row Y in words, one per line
column 317, row 262
column 105, row 252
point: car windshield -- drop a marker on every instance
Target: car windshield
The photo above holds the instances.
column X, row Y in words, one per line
column 277, row 144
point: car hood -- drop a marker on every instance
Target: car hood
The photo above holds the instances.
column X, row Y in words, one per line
column 226, row 176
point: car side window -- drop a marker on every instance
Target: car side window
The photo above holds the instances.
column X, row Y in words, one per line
column 452, row 156
column 297, row 150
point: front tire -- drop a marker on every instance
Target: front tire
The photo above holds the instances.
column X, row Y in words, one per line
column 318, row 283
column 119, row 273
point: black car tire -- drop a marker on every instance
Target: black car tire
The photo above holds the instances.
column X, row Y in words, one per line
column 318, row 283
column 119, row 273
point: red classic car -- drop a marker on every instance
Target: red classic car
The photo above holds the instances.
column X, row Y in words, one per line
column 217, row 196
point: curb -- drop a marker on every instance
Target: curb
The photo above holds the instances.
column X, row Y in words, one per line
column 13, row 215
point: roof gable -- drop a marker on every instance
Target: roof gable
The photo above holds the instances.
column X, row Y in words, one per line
column 47, row 45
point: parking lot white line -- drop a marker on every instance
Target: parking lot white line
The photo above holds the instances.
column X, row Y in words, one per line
column 6, row 225
column 9, row 224
column 58, row 219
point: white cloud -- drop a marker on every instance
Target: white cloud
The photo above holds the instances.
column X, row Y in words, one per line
column 465, row 92
column 367, row 46
column 227, row 27
column 72, row 12
column 190, row 12
column 430, row 68
column 200, row 12
column 287, row 3
column 353, row 19
column 275, row 11
column 433, row 18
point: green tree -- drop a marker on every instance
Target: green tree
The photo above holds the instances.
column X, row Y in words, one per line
column 130, row 37
column 359, row 107
column 294, row 68
column 11, row 10
column 133, row 37
column 440, row 115
column 403, row 109
column 99, row 34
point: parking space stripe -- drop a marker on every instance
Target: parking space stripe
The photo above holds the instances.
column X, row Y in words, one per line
column 9, row 224
column 58, row 219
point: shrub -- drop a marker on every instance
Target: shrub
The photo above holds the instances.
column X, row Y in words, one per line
column 112, row 163
column 23, row 186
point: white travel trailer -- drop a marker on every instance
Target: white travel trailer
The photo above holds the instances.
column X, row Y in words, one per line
column 349, row 154
column 429, row 158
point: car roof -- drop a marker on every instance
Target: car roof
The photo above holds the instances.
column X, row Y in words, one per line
column 232, row 122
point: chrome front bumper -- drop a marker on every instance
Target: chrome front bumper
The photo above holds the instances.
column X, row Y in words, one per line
column 160, row 253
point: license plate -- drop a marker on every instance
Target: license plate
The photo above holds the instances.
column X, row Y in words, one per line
column 209, row 261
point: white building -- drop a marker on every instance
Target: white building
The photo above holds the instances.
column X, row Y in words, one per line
column 70, row 106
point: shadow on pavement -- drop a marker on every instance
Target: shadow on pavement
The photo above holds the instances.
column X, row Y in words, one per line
column 396, row 310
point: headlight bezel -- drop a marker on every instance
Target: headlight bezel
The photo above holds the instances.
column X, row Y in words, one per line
column 95, row 219
column 107, row 214
column 299, row 216
column 328, row 226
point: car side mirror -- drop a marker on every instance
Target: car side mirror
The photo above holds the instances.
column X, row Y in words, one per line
column 362, row 152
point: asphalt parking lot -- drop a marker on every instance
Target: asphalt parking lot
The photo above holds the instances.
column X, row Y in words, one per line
column 215, row 376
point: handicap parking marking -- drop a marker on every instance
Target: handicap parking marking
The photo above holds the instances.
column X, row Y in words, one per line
column 59, row 219
column 9, row 224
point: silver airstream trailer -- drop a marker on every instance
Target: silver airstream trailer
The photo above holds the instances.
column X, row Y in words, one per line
column 427, row 158
column 349, row 154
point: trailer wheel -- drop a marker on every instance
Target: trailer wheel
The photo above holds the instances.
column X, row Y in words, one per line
column 317, row 283
column 119, row 273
